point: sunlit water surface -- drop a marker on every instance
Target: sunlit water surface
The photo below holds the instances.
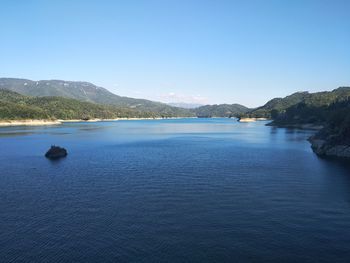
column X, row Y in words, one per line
column 187, row 190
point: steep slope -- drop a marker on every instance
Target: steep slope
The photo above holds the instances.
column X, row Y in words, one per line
column 275, row 107
column 315, row 108
column 85, row 91
column 334, row 138
column 220, row 110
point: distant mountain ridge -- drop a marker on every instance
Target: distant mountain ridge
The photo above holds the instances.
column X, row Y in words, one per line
column 88, row 92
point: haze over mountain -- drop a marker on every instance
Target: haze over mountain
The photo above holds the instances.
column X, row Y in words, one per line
column 185, row 105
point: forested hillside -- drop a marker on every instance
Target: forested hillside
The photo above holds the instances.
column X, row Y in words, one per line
column 278, row 107
column 14, row 106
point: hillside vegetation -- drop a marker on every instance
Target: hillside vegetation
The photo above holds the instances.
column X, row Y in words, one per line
column 14, row 106
column 278, row 107
column 337, row 128
column 314, row 108
column 88, row 92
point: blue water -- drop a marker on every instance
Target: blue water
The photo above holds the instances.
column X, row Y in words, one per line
column 187, row 190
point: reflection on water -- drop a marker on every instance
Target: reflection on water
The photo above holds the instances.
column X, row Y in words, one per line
column 11, row 133
column 187, row 190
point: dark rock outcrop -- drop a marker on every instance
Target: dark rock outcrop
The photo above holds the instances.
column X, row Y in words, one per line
column 56, row 152
column 324, row 148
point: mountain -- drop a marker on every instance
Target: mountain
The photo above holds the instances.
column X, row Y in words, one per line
column 220, row 110
column 313, row 108
column 277, row 106
column 88, row 92
column 14, row 106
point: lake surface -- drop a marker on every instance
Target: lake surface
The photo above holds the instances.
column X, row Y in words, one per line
column 186, row 190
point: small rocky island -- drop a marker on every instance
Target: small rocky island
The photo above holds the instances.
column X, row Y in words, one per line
column 56, row 152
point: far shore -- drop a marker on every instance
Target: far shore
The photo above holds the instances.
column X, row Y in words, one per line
column 9, row 123
column 29, row 122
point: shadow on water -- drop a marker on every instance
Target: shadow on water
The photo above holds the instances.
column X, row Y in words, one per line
column 56, row 162
column 343, row 162
column 14, row 134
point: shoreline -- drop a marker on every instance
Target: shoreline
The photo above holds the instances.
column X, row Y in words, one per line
column 33, row 122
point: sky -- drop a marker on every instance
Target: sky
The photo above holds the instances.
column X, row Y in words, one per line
column 192, row 51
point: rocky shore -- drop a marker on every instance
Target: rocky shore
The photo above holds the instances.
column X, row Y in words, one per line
column 326, row 142
column 325, row 148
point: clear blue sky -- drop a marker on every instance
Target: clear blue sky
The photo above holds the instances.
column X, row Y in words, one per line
column 195, row 51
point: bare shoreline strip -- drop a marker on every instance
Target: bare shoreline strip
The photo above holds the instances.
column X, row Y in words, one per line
column 252, row 119
column 29, row 123
column 9, row 123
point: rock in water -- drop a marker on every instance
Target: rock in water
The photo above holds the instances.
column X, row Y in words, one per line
column 56, row 152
